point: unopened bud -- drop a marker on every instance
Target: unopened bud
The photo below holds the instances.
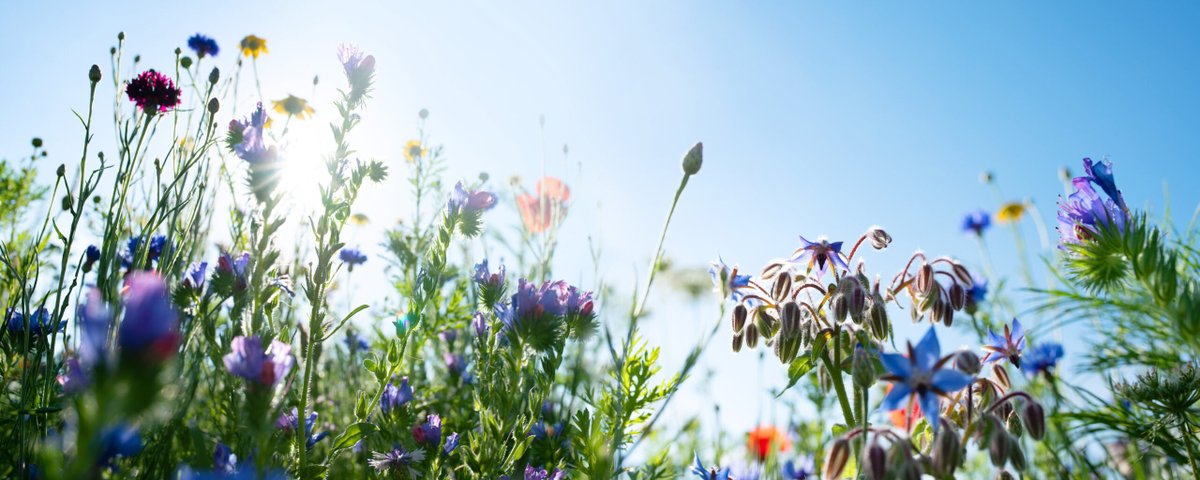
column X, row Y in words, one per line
column 739, row 318
column 986, row 178
column 899, row 456
column 879, row 238
column 1035, row 419
column 838, row 307
column 862, row 368
column 998, row 446
column 963, row 275
column 947, row 314
column 185, row 62
column 737, row 342
column 68, row 202
column 62, row 170
column 767, row 324
column 94, row 73
column 967, row 362
column 835, row 462
column 214, row 75
column 752, row 336
column 213, row 106
column 1016, row 456
column 694, row 159
column 1002, row 377
column 424, row 113
column 1013, row 424
column 925, row 282
column 120, row 36
column 773, row 268
column 1004, row 475
column 958, row 296
column 947, row 452
column 782, row 287
column 875, row 465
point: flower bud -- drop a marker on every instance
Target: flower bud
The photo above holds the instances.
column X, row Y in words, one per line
column 792, row 316
column 947, row 452
column 1035, row 419
column 899, row 457
column 877, row 315
column 782, row 287
column 94, row 73
column 62, row 170
column 998, row 446
column 962, row 274
column 958, row 296
column 986, row 177
column 185, row 62
column 838, row 308
column 875, row 465
column 773, row 268
column 1002, row 377
column 879, row 238
column 120, row 36
column 752, row 336
column 214, row 75
column 967, row 362
column 693, row 159
column 862, row 368
column 423, row 114
column 767, row 324
column 737, row 342
column 925, row 283
column 835, row 462
column 213, row 106
column 68, row 202
column 1013, row 424
column 1016, row 456
column 1004, row 475
column 739, row 318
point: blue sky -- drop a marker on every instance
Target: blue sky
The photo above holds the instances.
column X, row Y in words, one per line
column 817, row 118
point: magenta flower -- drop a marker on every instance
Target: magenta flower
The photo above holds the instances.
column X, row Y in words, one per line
column 249, row 360
column 153, row 92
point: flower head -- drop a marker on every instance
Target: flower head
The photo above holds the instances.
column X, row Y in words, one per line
column 203, row 46
column 294, row 106
column 360, row 70
column 451, row 443
column 413, row 151
column 1102, row 175
column 763, row 440
column 802, row 468
column 352, row 257
column 94, row 319
column 726, row 281
column 484, row 276
column 119, row 441
column 1042, row 358
column 463, row 200
column 1009, row 346
column 430, row 432
column 547, row 207
column 232, row 271
column 247, row 138
column 1010, row 212
column 820, row 254
column 150, row 329
column 540, row 473
column 699, row 471
column 397, row 460
column 921, row 375
column 395, row 396
column 193, row 278
column 479, row 323
column 1084, row 212
column 976, row 222
column 90, row 256
column 75, row 378
column 252, row 46
column 37, row 324
column 153, row 92
column 289, row 421
column 249, row 360
column 154, row 251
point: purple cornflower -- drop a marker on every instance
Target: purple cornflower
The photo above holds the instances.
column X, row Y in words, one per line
column 530, row 302
column 193, row 278
column 976, row 222
column 120, row 440
column 802, row 468
column 397, row 460
column 249, row 360
column 540, row 473
column 288, row 421
column 430, row 432
column 36, row 324
column 921, row 375
column 352, row 257
column 1042, row 358
column 94, row 319
column 151, row 325
column 153, row 92
column 485, row 278
column 451, row 443
column 726, row 281
column 821, row 254
column 1009, row 346
column 203, row 46
column 698, row 470
column 394, row 397
column 578, row 302
column 462, row 200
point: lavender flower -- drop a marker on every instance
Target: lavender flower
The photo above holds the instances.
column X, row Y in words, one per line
column 699, row 471
column 248, row 359
column 726, row 281
column 462, row 200
column 150, row 329
column 1009, row 346
column 1042, row 358
column 976, row 222
column 430, row 432
column 921, row 375
column 203, row 46
column 153, row 92
column 394, row 397
column 820, row 254
column 397, row 460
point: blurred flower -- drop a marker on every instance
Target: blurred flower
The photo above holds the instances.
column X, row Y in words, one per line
column 726, row 281
column 921, row 375
column 224, row 460
column 151, row 325
column 545, row 209
column 36, row 324
column 454, row 363
column 288, row 421
column 698, row 470
column 802, row 468
column 899, row 416
column 248, row 359
column 247, row 138
column 153, row 92
column 356, row 342
column 976, row 222
column 536, row 473
column 394, row 397
column 397, row 460
column 578, row 302
column 413, row 151
column 294, row 106
column 1009, row 346
column 75, row 379
column 480, row 324
column 484, row 277
column 118, row 441
column 462, row 200
column 1042, row 358
column 761, row 440
column 94, row 319
column 158, row 244
column 194, row 276
column 979, row 289
column 451, row 443
column 252, row 46
column 203, row 46
column 821, row 253
column 360, row 70
column 352, row 257
column 90, row 256
column 233, row 270
column 430, row 432
column 360, row 219
column 1010, row 212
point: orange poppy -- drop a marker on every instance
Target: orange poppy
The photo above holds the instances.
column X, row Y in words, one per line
column 760, row 441
column 547, row 207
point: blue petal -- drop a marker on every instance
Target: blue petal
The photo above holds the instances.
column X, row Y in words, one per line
column 996, row 340
column 928, row 351
column 896, row 364
column 698, row 468
column 894, row 398
column 929, row 406
column 1018, row 331
column 950, row 380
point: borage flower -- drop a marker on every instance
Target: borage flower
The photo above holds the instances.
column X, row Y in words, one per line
column 976, row 222
column 1042, row 358
column 921, row 376
column 1009, row 346
column 726, row 281
column 820, row 254
column 203, row 46
column 250, row 361
column 397, row 460
column 153, row 92
column 252, row 46
column 150, row 329
column 699, row 471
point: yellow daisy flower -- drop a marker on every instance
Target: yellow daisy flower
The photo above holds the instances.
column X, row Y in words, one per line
column 359, row 219
column 294, row 106
column 252, row 46
column 413, row 150
column 1010, row 212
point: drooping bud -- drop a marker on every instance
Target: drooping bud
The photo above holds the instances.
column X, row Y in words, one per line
column 1004, row 475
column 875, row 465
column 998, row 446
column 947, row 452
column 68, row 202
column 792, row 316
column 838, row 308
column 835, row 462
column 1002, row 377
column 899, row 456
column 694, row 159
column 1013, row 424
column 877, row 315
column 958, row 296
column 879, row 238
column 752, row 336
column 773, row 268
column 1035, row 419
column 94, row 73
column 739, row 318
column 862, row 368
column 737, row 342
column 782, row 287
column 925, row 282
column 962, row 274
column 767, row 324
column 1016, row 456
column 967, row 362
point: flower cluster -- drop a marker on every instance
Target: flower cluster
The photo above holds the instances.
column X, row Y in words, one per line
column 153, row 92
column 1082, row 214
column 539, row 315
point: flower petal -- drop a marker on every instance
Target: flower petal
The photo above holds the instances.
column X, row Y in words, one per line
column 895, row 398
column 927, row 351
column 929, row 406
column 896, row 364
column 950, row 380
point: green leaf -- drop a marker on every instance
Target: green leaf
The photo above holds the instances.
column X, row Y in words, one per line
column 353, row 434
column 796, row 370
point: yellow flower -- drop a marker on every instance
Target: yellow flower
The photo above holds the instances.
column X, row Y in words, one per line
column 359, row 219
column 294, row 106
column 252, row 46
column 413, row 150
column 1010, row 212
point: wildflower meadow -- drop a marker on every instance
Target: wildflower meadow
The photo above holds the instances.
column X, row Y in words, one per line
column 184, row 298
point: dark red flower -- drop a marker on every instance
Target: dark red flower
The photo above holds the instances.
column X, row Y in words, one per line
column 153, row 92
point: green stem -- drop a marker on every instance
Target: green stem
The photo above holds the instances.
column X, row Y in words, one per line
column 1189, row 440
column 835, row 371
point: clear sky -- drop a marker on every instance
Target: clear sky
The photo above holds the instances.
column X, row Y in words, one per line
column 817, row 117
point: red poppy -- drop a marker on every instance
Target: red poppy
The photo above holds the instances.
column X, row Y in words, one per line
column 547, row 207
column 760, row 440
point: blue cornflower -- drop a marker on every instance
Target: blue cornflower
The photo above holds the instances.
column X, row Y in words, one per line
column 249, row 360
column 36, row 324
column 90, row 256
column 451, row 443
column 118, row 441
column 979, row 289
column 430, row 432
column 802, row 468
column 394, row 397
column 463, row 200
column 820, row 254
column 707, row 473
column 150, row 329
column 1102, row 175
column 976, row 222
column 921, row 375
column 158, row 244
column 352, row 257
column 194, row 276
column 1042, row 358
column 726, row 281
column 203, row 46
column 1082, row 213
column 397, row 460
column 1009, row 346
